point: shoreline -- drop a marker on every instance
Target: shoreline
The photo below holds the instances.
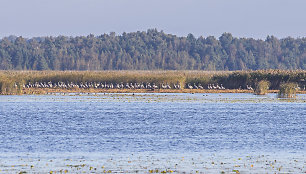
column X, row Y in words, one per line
column 39, row 91
column 42, row 82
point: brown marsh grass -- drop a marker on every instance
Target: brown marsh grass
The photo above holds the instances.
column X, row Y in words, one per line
column 11, row 81
column 262, row 87
column 287, row 90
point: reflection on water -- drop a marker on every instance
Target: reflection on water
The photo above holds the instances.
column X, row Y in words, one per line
column 151, row 125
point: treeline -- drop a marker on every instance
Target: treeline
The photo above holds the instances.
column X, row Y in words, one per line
column 151, row 50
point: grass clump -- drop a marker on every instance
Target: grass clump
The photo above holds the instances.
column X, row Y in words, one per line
column 262, row 87
column 7, row 86
column 287, row 90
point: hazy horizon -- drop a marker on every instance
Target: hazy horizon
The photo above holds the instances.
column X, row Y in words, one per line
column 241, row 18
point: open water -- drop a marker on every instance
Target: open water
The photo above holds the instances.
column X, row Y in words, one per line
column 144, row 133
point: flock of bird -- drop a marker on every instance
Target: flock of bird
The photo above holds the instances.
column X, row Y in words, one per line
column 209, row 86
column 105, row 85
column 99, row 85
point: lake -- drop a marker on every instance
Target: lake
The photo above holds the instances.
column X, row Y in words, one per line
column 150, row 133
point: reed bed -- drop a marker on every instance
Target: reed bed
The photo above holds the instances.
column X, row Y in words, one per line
column 11, row 82
column 262, row 87
column 288, row 90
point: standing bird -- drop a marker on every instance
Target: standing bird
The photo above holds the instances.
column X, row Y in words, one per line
column 200, row 86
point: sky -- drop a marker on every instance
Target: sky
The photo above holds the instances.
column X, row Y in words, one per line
column 242, row 18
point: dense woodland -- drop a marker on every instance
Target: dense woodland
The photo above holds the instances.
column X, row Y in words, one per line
column 151, row 50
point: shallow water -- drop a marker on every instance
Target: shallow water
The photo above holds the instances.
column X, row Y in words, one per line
column 164, row 128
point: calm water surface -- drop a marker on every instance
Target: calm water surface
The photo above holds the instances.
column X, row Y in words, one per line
column 154, row 123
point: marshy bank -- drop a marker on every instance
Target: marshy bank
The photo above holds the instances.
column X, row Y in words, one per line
column 41, row 82
column 204, row 162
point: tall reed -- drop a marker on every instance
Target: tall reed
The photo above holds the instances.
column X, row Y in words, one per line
column 262, row 87
column 229, row 79
column 287, row 90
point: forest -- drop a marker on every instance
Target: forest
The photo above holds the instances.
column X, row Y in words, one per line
column 151, row 50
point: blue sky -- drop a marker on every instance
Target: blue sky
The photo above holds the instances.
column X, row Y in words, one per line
column 242, row 18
